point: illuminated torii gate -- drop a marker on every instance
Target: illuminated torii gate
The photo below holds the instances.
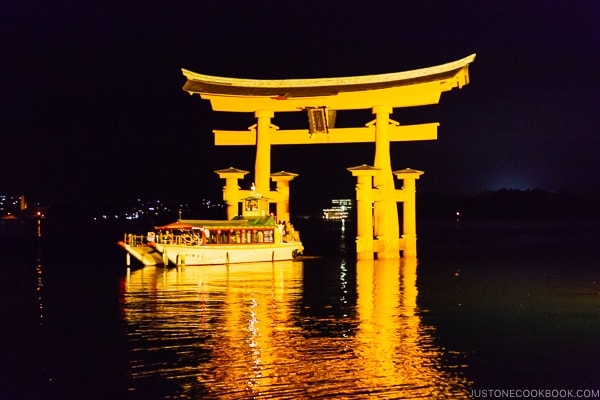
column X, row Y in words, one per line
column 320, row 98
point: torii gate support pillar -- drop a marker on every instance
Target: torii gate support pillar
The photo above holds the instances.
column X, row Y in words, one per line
column 282, row 192
column 231, row 191
column 407, row 195
column 364, row 210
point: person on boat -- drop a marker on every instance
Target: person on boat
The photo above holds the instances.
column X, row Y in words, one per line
column 281, row 230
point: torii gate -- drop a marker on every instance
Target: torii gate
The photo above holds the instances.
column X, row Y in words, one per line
column 378, row 228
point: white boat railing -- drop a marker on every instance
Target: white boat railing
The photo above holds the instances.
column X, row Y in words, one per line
column 134, row 240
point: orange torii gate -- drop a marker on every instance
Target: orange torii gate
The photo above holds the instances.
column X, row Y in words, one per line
column 378, row 226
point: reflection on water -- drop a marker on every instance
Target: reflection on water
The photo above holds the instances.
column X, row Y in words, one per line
column 508, row 305
column 39, row 272
column 269, row 330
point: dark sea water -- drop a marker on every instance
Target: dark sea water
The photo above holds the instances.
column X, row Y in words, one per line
column 487, row 306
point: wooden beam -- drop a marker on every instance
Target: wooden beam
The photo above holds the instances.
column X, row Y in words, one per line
column 397, row 133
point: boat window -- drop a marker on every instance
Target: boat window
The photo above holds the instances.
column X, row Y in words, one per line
column 251, row 205
column 204, row 236
column 268, row 236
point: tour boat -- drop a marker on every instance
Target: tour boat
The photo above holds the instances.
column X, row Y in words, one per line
column 202, row 242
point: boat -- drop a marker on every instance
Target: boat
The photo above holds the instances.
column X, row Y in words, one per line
column 243, row 239
column 339, row 210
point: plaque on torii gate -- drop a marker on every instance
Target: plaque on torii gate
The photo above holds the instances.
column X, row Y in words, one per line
column 320, row 98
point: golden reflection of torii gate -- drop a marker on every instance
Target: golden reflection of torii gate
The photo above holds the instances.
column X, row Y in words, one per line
column 376, row 196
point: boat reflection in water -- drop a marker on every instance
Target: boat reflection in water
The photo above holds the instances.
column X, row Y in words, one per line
column 252, row 331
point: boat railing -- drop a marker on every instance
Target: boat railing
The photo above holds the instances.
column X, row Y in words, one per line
column 178, row 238
column 245, row 236
column 230, row 236
column 292, row 236
column 134, row 240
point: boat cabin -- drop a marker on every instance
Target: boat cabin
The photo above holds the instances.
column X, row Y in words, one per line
column 211, row 232
column 255, row 206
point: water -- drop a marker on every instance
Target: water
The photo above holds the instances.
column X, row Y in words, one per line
column 488, row 305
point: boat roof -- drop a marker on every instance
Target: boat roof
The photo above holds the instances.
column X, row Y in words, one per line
column 238, row 222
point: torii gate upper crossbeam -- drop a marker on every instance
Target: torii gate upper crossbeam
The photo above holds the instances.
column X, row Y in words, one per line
column 400, row 89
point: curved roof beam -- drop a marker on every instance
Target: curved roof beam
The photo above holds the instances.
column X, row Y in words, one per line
column 423, row 86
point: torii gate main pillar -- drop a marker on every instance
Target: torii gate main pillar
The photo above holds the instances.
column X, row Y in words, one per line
column 262, row 166
column 385, row 211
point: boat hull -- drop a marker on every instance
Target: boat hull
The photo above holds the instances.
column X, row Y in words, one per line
column 145, row 254
column 228, row 254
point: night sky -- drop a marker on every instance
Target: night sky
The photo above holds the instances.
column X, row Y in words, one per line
column 92, row 106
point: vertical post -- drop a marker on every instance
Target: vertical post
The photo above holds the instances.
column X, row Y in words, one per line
column 364, row 211
column 409, row 221
column 282, row 179
column 283, row 202
column 409, row 207
column 231, row 197
column 231, row 190
column 386, row 212
column 262, row 166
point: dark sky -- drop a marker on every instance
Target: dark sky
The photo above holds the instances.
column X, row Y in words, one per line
column 92, row 106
